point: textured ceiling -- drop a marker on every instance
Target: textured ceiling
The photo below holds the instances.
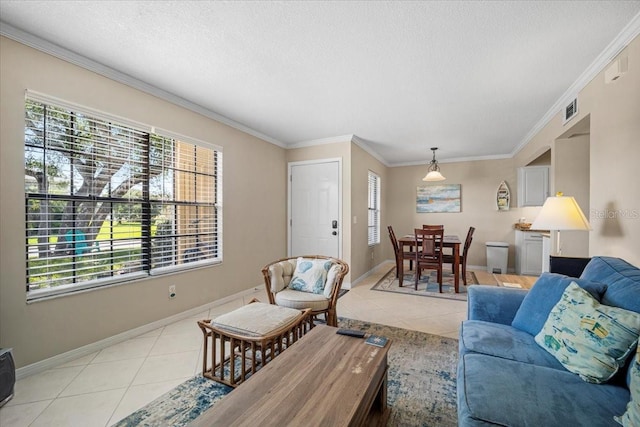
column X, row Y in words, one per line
column 473, row 78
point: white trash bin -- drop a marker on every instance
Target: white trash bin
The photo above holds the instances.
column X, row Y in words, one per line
column 497, row 257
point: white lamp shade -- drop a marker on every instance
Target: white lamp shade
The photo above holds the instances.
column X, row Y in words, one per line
column 434, row 176
column 561, row 213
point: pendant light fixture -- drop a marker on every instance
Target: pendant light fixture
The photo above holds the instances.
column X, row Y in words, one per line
column 434, row 170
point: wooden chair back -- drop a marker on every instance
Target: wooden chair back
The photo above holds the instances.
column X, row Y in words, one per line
column 394, row 241
column 429, row 245
column 467, row 242
column 433, row 227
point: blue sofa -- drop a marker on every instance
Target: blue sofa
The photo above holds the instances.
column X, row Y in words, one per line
column 505, row 378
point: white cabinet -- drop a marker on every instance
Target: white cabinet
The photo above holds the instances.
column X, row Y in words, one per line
column 546, row 251
column 533, row 185
column 528, row 253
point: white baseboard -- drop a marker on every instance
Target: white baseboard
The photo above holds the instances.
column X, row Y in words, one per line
column 85, row 350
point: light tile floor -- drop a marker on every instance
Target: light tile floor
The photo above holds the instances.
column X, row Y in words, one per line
column 104, row 387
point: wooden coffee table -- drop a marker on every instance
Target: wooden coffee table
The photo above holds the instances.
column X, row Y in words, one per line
column 324, row 379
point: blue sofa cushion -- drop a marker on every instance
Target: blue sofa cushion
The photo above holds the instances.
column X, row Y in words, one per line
column 544, row 295
column 509, row 393
column 504, row 341
column 622, row 279
column 493, row 303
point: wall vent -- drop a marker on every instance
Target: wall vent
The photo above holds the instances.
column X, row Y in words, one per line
column 570, row 111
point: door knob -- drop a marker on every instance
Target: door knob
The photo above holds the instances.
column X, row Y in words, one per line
column 335, row 233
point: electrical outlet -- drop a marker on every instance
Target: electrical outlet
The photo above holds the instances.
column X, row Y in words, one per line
column 172, row 291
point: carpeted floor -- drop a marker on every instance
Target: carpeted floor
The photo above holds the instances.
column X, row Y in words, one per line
column 427, row 285
column 421, row 384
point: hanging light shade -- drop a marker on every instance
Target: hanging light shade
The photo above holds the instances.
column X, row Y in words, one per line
column 434, row 170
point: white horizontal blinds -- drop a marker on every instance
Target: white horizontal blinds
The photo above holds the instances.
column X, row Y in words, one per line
column 83, row 177
column 108, row 202
column 184, row 195
column 373, row 220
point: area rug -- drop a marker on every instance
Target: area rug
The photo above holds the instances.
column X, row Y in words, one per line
column 179, row 406
column 427, row 285
column 421, row 384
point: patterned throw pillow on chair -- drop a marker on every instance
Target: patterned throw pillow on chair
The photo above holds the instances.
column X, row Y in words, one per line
column 310, row 275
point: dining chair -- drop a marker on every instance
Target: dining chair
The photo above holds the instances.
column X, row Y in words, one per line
column 397, row 250
column 448, row 258
column 429, row 253
column 433, row 226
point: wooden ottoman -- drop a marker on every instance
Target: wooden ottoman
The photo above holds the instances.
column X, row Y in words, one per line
column 256, row 333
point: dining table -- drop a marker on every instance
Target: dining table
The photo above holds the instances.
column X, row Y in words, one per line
column 448, row 241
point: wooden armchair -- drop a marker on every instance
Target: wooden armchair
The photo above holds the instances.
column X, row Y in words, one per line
column 286, row 287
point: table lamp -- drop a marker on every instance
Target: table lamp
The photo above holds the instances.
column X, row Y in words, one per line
column 560, row 213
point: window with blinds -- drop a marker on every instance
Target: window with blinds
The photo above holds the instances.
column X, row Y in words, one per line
column 374, row 209
column 108, row 202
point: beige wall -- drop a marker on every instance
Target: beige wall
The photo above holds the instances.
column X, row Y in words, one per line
column 479, row 183
column 364, row 257
column 355, row 166
column 614, row 113
column 600, row 170
column 40, row 330
column 572, row 179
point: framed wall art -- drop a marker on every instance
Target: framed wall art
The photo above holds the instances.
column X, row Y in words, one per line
column 438, row 198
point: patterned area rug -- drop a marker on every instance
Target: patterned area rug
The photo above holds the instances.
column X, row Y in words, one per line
column 422, row 375
column 421, row 384
column 427, row 285
column 179, row 406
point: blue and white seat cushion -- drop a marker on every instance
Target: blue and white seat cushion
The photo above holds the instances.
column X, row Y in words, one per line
column 310, row 275
column 588, row 338
column 631, row 417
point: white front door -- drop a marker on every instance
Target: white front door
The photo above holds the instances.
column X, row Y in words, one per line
column 314, row 208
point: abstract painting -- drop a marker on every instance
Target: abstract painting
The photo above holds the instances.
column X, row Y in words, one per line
column 438, row 198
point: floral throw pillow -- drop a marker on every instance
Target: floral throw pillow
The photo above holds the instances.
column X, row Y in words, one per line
column 590, row 339
column 631, row 417
column 310, row 275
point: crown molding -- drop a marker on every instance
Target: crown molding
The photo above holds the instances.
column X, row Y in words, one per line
column 622, row 40
column 67, row 55
column 321, row 141
column 628, row 33
column 453, row 160
column 363, row 144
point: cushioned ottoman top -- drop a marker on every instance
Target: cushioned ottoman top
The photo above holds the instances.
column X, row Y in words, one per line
column 257, row 319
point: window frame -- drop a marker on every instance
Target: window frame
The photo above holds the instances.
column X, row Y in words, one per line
column 211, row 253
column 373, row 208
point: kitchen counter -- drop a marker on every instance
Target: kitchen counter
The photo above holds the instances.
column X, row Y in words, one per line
column 525, row 226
